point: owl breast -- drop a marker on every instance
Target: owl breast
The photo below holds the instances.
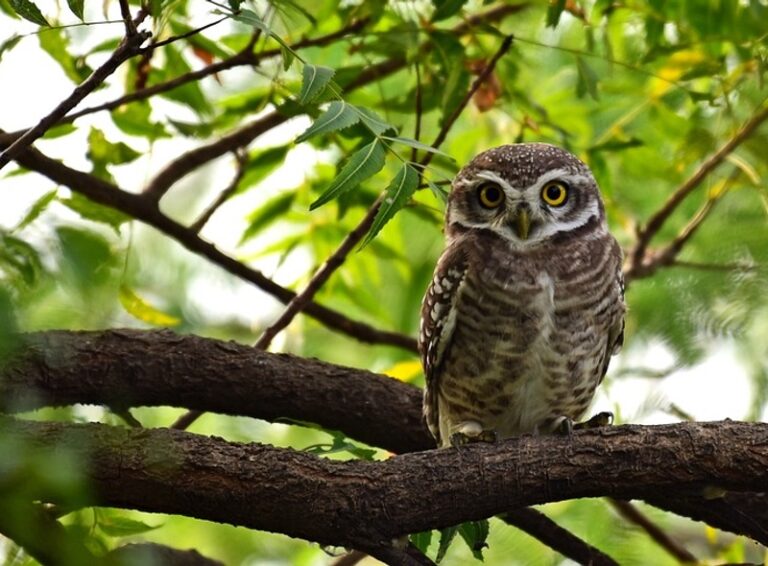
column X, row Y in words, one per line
column 530, row 336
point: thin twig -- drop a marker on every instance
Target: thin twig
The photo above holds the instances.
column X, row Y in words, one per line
column 633, row 515
column 127, row 49
column 654, row 260
column 654, row 224
column 350, row 558
column 539, row 526
column 199, row 156
column 418, row 106
column 478, row 82
column 198, row 224
column 138, row 207
column 191, row 160
column 125, row 12
column 185, row 35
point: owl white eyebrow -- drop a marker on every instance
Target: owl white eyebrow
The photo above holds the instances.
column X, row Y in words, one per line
column 487, row 175
column 561, row 174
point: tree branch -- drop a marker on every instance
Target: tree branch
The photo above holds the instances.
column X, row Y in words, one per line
column 132, row 368
column 129, row 47
column 654, row 224
column 360, row 504
column 538, row 525
column 158, row 368
column 41, row 536
column 633, row 515
column 146, row 211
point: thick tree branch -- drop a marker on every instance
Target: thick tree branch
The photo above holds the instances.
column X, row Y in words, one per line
column 360, row 504
column 132, row 368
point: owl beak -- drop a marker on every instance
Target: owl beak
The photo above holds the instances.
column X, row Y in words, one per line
column 522, row 223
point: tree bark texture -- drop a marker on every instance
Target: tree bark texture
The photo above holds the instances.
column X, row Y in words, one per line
column 356, row 502
column 348, row 503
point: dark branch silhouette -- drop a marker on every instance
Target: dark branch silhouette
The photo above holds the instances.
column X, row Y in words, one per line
column 139, row 368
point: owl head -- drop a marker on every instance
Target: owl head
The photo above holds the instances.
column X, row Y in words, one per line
column 526, row 193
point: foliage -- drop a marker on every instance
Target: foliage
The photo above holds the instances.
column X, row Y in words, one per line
column 325, row 106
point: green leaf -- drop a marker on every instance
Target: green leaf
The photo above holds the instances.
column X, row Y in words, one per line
column 250, row 18
column 373, row 121
column 421, row 540
column 272, row 210
column 77, row 8
column 102, row 152
column 446, row 537
column 189, row 93
column 135, row 120
column 587, row 80
column 316, row 78
column 36, row 210
column 260, row 165
column 199, row 130
column 415, row 144
column 116, row 526
column 55, row 42
column 90, row 210
column 29, row 11
column 140, row 309
column 475, row 534
column 341, row 444
column 339, row 115
column 86, row 257
column 19, row 260
column 446, row 8
column 438, row 191
column 59, row 131
column 9, row 44
column 363, row 164
column 397, row 194
column 554, row 11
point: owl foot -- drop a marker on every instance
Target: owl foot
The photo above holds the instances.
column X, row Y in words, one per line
column 565, row 426
column 604, row 418
column 472, row 433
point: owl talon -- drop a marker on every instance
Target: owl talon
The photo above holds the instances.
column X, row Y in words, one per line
column 604, row 418
column 565, row 427
column 460, row 438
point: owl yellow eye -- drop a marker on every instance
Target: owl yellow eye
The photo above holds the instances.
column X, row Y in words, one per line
column 490, row 195
column 554, row 193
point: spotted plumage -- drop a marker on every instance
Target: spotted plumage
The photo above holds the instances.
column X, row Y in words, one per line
column 526, row 304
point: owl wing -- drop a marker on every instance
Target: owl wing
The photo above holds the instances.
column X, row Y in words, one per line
column 616, row 330
column 438, row 322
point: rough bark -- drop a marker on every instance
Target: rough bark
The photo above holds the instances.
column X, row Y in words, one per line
column 130, row 368
column 359, row 503
column 667, row 466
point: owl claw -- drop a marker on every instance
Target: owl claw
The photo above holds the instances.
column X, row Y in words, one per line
column 565, row 427
column 460, row 438
column 604, row 418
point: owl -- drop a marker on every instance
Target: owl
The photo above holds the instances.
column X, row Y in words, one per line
column 526, row 305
